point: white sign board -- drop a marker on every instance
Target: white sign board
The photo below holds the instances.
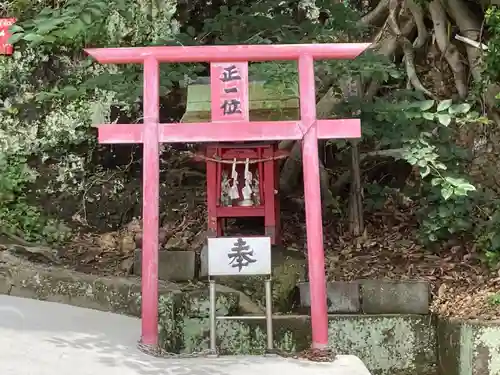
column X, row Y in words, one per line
column 232, row 256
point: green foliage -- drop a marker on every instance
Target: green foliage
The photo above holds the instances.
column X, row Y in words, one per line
column 51, row 95
column 494, row 299
column 492, row 63
column 419, row 132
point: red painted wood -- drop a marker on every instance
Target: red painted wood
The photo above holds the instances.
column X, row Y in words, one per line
column 212, row 197
column 151, row 202
column 229, row 90
column 5, row 47
column 245, row 53
column 229, row 132
column 120, row 133
column 237, row 211
column 312, row 198
column 309, row 129
column 334, row 129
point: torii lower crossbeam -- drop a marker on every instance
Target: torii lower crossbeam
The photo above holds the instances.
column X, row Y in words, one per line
column 308, row 129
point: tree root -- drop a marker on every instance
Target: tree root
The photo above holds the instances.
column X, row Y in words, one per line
column 387, row 46
column 379, row 13
column 411, row 70
column 418, row 14
column 409, row 54
column 448, row 49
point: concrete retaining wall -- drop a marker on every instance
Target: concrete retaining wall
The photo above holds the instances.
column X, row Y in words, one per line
column 468, row 347
column 397, row 344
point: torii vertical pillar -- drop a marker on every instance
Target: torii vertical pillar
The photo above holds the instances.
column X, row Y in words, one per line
column 308, row 129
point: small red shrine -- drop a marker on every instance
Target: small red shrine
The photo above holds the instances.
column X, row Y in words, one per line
column 242, row 178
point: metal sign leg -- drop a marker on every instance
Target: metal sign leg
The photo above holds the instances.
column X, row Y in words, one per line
column 269, row 314
column 213, row 324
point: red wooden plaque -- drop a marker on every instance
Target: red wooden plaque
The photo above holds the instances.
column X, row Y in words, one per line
column 229, row 91
column 5, row 47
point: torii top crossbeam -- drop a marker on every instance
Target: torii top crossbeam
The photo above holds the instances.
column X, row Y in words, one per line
column 180, row 54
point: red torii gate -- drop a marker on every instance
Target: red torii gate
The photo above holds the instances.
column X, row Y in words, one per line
column 308, row 129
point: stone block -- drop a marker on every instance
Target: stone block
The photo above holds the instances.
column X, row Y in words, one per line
column 342, row 296
column 204, row 261
column 468, row 346
column 394, row 297
column 387, row 344
column 172, row 265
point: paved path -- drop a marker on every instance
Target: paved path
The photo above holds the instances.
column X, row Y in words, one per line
column 45, row 338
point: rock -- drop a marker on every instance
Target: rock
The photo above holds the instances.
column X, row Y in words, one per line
column 108, row 241
column 176, row 242
column 172, row 265
column 127, row 243
column 135, row 226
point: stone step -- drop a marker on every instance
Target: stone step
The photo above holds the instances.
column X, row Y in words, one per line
column 387, row 344
column 373, row 297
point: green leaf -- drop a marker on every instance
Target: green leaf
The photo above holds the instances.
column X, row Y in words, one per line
column 444, row 119
column 48, row 25
column 444, row 105
column 31, row 37
column 411, row 160
column 16, row 38
column 424, row 172
column 426, row 105
column 460, row 192
column 428, row 115
column 86, row 17
column 15, row 29
column 447, row 192
column 459, row 108
column 467, row 187
column 436, row 181
column 35, row 39
column 97, row 12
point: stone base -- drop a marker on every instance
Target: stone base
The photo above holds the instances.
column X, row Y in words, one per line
column 172, row 265
column 387, row 344
column 394, row 297
column 343, row 297
column 373, row 297
column 468, row 347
